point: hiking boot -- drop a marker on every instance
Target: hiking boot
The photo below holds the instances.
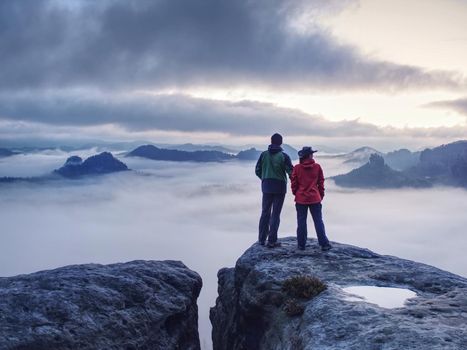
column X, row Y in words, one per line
column 261, row 242
column 301, row 247
column 273, row 245
column 326, row 247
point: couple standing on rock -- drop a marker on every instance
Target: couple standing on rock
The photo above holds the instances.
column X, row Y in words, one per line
column 307, row 180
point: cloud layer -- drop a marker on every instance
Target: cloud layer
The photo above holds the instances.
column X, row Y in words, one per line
column 139, row 112
column 206, row 216
column 127, row 44
column 73, row 118
column 458, row 105
column 83, row 64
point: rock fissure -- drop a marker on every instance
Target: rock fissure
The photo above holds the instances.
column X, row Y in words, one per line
column 272, row 299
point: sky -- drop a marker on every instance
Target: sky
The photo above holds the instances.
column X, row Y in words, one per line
column 343, row 73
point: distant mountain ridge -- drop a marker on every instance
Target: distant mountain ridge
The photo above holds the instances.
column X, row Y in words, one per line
column 156, row 153
column 361, row 154
column 75, row 167
column 291, row 151
column 249, row 154
column 443, row 165
column 402, row 159
column 103, row 163
column 5, row 152
column 376, row 174
column 190, row 147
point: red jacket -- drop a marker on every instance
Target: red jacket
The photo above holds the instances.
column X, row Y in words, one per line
column 308, row 182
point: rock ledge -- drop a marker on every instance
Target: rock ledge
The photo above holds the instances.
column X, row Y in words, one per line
column 134, row 305
column 249, row 312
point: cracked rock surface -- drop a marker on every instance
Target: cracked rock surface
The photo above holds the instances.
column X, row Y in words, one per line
column 134, row 305
column 250, row 313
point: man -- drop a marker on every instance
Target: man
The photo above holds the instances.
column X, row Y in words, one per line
column 308, row 188
column 272, row 168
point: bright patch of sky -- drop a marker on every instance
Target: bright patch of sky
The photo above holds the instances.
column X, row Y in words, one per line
column 429, row 33
column 397, row 110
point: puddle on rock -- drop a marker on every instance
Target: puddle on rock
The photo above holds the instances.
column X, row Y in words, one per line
column 386, row 297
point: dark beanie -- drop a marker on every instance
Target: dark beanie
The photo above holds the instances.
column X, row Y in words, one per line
column 276, row 139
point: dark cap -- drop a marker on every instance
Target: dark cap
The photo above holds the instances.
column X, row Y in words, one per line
column 276, row 139
column 306, row 151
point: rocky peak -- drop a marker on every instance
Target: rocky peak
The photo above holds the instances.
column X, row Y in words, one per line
column 134, row 305
column 102, row 163
column 253, row 310
column 4, row 152
column 249, row 154
column 74, row 160
column 155, row 153
column 376, row 160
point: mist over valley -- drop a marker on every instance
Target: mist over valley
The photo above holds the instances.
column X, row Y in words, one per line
column 205, row 214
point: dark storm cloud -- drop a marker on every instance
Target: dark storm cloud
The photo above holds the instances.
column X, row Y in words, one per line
column 141, row 112
column 122, row 44
column 28, row 113
column 459, row 105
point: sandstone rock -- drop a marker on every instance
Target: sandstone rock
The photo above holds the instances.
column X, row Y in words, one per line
column 155, row 153
column 134, row 305
column 250, row 313
column 102, row 163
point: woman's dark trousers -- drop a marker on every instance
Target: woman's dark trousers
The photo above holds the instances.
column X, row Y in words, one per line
column 270, row 216
column 316, row 213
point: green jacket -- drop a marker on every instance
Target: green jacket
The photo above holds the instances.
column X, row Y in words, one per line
column 272, row 168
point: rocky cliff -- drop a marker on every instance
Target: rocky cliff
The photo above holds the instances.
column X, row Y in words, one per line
column 135, row 305
column 103, row 163
column 257, row 308
column 376, row 174
column 444, row 165
column 4, row 152
column 155, row 153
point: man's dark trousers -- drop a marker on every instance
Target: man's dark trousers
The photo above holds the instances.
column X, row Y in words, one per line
column 270, row 216
column 315, row 210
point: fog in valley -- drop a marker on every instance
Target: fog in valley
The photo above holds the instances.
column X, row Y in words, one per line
column 205, row 214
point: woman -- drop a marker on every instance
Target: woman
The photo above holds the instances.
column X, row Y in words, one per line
column 308, row 188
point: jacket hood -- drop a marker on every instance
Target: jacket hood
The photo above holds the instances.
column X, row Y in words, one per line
column 274, row 148
column 307, row 163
